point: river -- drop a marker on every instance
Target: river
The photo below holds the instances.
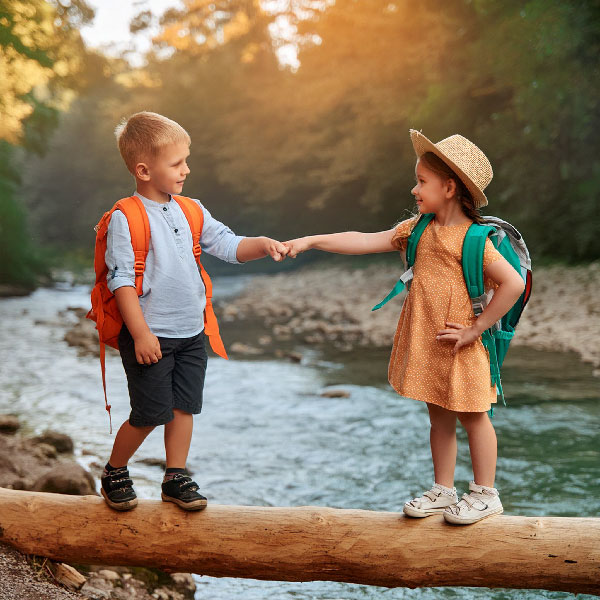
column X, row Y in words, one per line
column 267, row 437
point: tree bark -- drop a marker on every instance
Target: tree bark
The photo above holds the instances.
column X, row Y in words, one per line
column 308, row 543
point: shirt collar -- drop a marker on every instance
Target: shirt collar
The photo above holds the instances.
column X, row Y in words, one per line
column 151, row 203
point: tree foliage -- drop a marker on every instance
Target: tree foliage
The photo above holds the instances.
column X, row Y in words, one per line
column 40, row 56
column 326, row 147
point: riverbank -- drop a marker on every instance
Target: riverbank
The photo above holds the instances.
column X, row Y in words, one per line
column 331, row 305
column 45, row 463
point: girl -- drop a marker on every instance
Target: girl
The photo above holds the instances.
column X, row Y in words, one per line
column 437, row 355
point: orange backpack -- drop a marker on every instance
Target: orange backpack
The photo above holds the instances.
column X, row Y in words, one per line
column 104, row 309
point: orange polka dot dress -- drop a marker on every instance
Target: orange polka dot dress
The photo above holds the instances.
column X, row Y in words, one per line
column 422, row 367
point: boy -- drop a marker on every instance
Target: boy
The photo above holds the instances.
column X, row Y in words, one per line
column 162, row 342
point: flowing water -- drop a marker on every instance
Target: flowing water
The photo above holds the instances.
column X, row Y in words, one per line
column 267, row 437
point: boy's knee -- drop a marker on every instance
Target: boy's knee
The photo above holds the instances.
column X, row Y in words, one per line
column 142, row 428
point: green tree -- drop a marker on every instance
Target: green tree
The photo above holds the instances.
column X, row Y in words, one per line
column 286, row 153
column 40, row 51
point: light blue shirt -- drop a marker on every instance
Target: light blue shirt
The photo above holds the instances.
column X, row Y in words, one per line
column 174, row 297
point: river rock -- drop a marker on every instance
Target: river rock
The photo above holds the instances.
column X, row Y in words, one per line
column 62, row 442
column 335, row 393
column 239, row 348
column 45, row 451
column 289, row 355
column 109, row 575
column 8, row 291
column 21, row 462
column 91, row 590
column 9, row 424
column 184, row 581
column 66, row 478
column 153, row 462
column 83, row 335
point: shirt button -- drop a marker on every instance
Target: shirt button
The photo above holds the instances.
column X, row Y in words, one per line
column 164, row 208
column 176, row 230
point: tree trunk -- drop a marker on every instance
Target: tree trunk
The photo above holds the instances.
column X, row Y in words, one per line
column 308, row 543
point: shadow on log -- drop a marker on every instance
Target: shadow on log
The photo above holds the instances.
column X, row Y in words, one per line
column 308, row 543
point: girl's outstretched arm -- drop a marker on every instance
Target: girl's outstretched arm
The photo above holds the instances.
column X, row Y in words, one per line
column 510, row 287
column 347, row 242
column 253, row 248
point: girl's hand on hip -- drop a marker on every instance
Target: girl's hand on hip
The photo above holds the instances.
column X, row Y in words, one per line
column 461, row 335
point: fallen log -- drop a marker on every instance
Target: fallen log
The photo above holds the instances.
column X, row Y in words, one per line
column 308, row 543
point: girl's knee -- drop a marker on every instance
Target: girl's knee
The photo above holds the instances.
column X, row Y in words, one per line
column 470, row 420
column 441, row 418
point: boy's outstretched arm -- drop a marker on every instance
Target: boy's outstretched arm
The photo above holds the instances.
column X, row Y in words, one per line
column 347, row 242
column 252, row 248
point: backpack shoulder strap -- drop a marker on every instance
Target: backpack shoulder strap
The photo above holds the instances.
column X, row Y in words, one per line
column 139, row 229
column 472, row 260
column 415, row 236
column 411, row 255
column 472, row 264
column 195, row 218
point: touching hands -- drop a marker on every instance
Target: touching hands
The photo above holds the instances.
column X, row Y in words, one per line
column 460, row 334
column 297, row 246
column 147, row 349
column 276, row 250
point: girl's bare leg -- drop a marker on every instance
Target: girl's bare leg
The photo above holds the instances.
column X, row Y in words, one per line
column 442, row 438
column 178, row 437
column 483, row 446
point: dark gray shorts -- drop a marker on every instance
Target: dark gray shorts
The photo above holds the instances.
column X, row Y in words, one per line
column 175, row 381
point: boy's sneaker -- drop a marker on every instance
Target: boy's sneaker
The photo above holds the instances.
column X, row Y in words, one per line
column 117, row 489
column 184, row 492
column 480, row 503
column 432, row 502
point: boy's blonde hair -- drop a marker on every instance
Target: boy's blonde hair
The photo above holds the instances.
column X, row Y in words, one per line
column 143, row 134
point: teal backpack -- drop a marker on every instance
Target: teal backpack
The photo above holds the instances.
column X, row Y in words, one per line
column 509, row 242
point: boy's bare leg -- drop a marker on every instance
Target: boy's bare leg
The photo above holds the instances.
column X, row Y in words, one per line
column 177, row 486
column 178, row 437
column 483, row 445
column 442, row 438
column 127, row 441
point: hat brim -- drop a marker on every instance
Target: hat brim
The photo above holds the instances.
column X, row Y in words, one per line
column 422, row 144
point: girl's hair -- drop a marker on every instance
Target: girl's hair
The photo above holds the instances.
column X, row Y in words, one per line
column 143, row 134
column 434, row 163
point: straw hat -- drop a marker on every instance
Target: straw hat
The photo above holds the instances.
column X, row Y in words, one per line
column 465, row 159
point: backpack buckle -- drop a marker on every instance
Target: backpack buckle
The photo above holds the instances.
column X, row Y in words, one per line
column 197, row 250
column 138, row 267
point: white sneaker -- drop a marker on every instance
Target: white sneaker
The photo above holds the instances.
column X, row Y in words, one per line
column 432, row 502
column 480, row 503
